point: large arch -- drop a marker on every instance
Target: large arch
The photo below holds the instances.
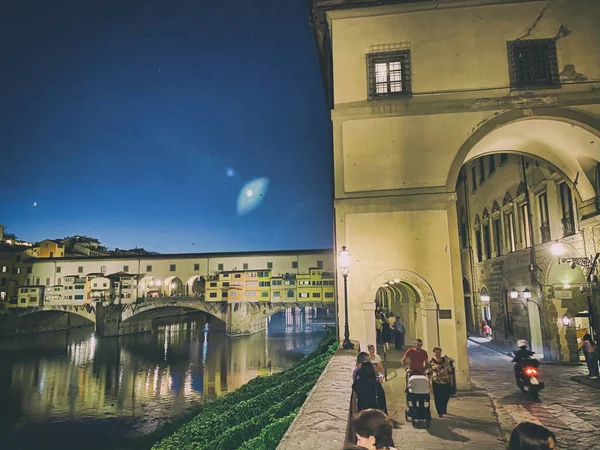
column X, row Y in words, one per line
column 565, row 138
column 425, row 307
column 196, row 286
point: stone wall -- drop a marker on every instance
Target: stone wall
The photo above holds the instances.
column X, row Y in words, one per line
column 322, row 421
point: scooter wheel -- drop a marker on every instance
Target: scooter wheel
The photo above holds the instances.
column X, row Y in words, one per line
column 535, row 394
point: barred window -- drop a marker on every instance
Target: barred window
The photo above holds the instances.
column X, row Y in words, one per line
column 389, row 74
column 533, row 64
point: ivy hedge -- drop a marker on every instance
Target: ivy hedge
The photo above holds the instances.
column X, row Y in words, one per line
column 257, row 415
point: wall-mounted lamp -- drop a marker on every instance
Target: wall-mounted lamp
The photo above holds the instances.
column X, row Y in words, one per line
column 513, row 293
column 558, row 248
column 526, row 293
column 565, row 320
column 484, row 298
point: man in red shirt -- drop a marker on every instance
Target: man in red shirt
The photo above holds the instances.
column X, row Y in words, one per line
column 417, row 358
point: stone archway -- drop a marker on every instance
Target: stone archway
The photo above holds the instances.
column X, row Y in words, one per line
column 563, row 137
column 423, row 313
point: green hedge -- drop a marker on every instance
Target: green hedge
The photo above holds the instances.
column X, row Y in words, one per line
column 257, row 414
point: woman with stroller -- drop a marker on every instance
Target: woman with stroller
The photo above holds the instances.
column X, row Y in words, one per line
column 369, row 392
column 590, row 351
column 439, row 371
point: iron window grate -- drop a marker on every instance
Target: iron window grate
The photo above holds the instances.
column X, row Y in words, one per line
column 389, row 74
column 533, row 64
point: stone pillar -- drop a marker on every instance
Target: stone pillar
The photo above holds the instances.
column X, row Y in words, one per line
column 370, row 331
column 245, row 318
column 108, row 320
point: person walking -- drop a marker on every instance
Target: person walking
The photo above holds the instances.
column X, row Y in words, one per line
column 361, row 358
column 386, row 331
column 375, row 359
column 415, row 359
column 590, row 351
column 399, row 333
column 378, row 327
column 369, row 392
column 439, row 372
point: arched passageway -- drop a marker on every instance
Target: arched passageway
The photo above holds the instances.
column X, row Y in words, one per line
column 409, row 296
column 529, row 180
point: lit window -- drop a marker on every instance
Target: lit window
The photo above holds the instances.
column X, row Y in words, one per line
column 389, row 74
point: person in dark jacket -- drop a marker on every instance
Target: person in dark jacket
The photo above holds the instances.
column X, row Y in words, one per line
column 369, row 392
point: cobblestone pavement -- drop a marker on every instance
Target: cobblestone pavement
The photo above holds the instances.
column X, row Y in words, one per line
column 471, row 424
column 571, row 410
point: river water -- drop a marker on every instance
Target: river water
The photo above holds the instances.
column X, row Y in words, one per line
column 69, row 390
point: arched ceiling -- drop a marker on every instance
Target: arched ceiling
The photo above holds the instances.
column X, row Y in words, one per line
column 564, row 145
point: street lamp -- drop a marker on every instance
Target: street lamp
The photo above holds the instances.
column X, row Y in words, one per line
column 344, row 262
column 526, row 293
column 589, row 262
column 514, row 293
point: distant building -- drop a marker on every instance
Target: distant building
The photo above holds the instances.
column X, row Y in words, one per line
column 15, row 268
column 267, row 276
column 49, row 248
column 84, row 246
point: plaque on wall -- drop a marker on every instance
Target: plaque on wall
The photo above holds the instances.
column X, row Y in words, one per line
column 563, row 295
column 445, row 314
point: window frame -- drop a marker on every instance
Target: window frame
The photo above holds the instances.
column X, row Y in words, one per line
column 387, row 57
column 550, row 64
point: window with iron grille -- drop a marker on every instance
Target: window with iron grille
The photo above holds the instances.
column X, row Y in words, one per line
column 389, row 74
column 533, row 64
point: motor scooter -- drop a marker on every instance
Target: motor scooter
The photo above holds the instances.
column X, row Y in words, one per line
column 528, row 377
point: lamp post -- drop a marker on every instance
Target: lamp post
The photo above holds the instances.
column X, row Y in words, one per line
column 344, row 262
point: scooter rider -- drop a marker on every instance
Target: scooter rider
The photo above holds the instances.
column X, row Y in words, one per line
column 520, row 355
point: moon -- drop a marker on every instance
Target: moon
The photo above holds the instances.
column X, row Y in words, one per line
column 34, row 204
column 252, row 195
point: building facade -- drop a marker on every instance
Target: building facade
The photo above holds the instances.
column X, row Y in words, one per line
column 419, row 88
column 265, row 276
column 511, row 211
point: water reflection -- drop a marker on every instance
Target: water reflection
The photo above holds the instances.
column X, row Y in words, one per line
column 72, row 384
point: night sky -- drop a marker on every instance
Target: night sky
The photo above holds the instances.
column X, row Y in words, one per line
column 139, row 123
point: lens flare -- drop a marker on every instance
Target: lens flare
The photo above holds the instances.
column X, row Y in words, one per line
column 252, row 195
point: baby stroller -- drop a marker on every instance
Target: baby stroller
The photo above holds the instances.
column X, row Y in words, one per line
column 417, row 400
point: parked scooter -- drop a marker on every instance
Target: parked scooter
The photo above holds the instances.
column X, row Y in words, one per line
column 526, row 371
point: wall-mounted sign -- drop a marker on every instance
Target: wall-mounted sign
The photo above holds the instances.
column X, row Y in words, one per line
column 445, row 314
column 563, row 295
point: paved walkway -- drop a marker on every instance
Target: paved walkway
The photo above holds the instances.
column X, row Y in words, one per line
column 569, row 409
column 471, row 423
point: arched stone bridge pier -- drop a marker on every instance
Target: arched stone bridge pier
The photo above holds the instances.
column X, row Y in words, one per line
column 240, row 318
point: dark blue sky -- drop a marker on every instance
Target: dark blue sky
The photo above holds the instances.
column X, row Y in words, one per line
column 120, row 119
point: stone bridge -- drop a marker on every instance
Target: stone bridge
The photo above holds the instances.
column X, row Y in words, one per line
column 119, row 319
